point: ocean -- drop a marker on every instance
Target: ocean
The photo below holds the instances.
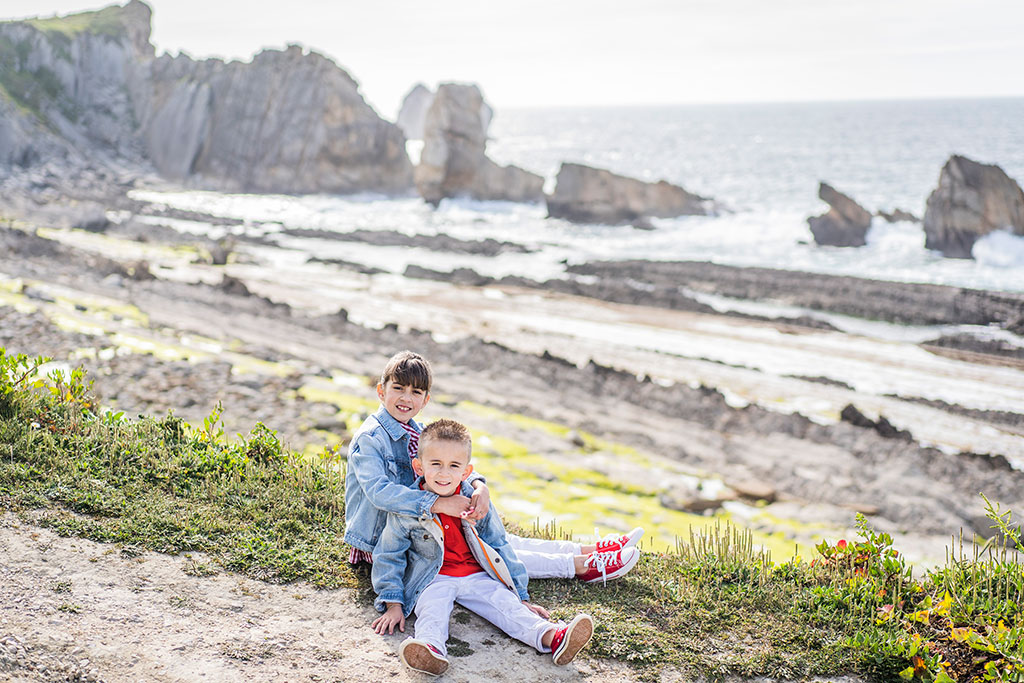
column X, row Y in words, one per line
column 762, row 162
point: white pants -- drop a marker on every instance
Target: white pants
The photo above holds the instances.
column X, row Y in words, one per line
column 546, row 559
column 481, row 594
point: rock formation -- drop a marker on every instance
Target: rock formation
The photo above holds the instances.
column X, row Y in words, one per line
column 972, row 200
column 87, row 87
column 453, row 162
column 844, row 225
column 413, row 113
column 897, row 216
column 286, row 122
column 592, row 195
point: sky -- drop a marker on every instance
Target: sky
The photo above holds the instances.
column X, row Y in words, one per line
column 532, row 53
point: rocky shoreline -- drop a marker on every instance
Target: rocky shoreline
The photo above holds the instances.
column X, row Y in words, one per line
column 140, row 383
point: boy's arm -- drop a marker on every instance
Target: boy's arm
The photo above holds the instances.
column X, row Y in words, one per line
column 498, row 539
column 394, row 617
column 367, row 462
column 389, row 560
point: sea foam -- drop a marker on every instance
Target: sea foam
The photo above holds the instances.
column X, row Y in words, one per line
column 1000, row 249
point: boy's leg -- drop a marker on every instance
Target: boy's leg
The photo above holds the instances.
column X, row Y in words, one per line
column 547, row 565
column 545, row 559
column 433, row 611
column 481, row 594
column 540, row 545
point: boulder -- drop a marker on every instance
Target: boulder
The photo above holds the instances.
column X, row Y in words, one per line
column 685, row 499
column 90, row 216
column 972, row 200
column 898, row 216
column 754, row 489
column 851, row 414
column 844, row 225
column 453, row 162
column 413, row 113
column 584, row 194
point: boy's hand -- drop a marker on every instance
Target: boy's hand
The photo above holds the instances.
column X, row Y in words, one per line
column 538, row 610
column 451, row 505
column 391, row 618
column 480, row 501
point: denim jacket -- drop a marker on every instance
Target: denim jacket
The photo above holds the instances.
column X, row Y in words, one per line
column 411, row 550
column 379, row 480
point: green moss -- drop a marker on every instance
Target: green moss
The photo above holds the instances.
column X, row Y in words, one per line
column 530, row 488
column 324, row 391
column 514, row 418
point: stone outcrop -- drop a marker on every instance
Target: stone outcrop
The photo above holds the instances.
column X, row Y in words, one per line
column 592, row 195
column 972, row 200
column 898, row 216
column 86, row 89
column 413, row 113
column 453, row 162
column 288, row 121
column 845, row 224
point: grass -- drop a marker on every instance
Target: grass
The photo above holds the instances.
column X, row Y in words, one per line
column 105, row 22
column 715, row 605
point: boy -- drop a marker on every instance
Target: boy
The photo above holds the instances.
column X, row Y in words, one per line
column 380, row 475
column 428, row 564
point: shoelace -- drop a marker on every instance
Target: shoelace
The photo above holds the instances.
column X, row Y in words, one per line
column 611, row 544
column 600, row 562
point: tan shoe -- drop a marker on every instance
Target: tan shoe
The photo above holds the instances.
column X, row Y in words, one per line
column 421, row 656
column 569, row 640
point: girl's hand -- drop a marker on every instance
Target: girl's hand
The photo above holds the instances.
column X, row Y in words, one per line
column 538, row 610
column 479, row 502
column 391, row 618
column 451, row 505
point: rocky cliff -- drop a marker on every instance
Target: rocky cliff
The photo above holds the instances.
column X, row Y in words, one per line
column 87, row 87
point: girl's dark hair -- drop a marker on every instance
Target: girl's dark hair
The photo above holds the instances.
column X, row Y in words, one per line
column 409, row 369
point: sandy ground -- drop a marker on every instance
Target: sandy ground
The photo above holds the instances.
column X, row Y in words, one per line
column 72, row 609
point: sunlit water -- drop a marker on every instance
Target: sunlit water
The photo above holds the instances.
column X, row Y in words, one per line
column 763, row 162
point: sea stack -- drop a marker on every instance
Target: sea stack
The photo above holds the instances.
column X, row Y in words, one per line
column 972, row 200
column 453, row 162
column 413, row 113
column 584, row 194
column 845, row 224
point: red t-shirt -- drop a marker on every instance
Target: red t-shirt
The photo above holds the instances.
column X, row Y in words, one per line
column 458, row 560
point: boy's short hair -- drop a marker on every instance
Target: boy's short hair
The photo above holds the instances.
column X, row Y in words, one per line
column 409, row 369
column 446, row 430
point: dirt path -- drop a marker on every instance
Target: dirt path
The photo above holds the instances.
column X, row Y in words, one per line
column 76, row 610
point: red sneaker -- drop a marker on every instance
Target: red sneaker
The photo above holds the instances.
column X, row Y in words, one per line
column 611, row 565
column 421, row 656
column 569, row 640
column 612, row 543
